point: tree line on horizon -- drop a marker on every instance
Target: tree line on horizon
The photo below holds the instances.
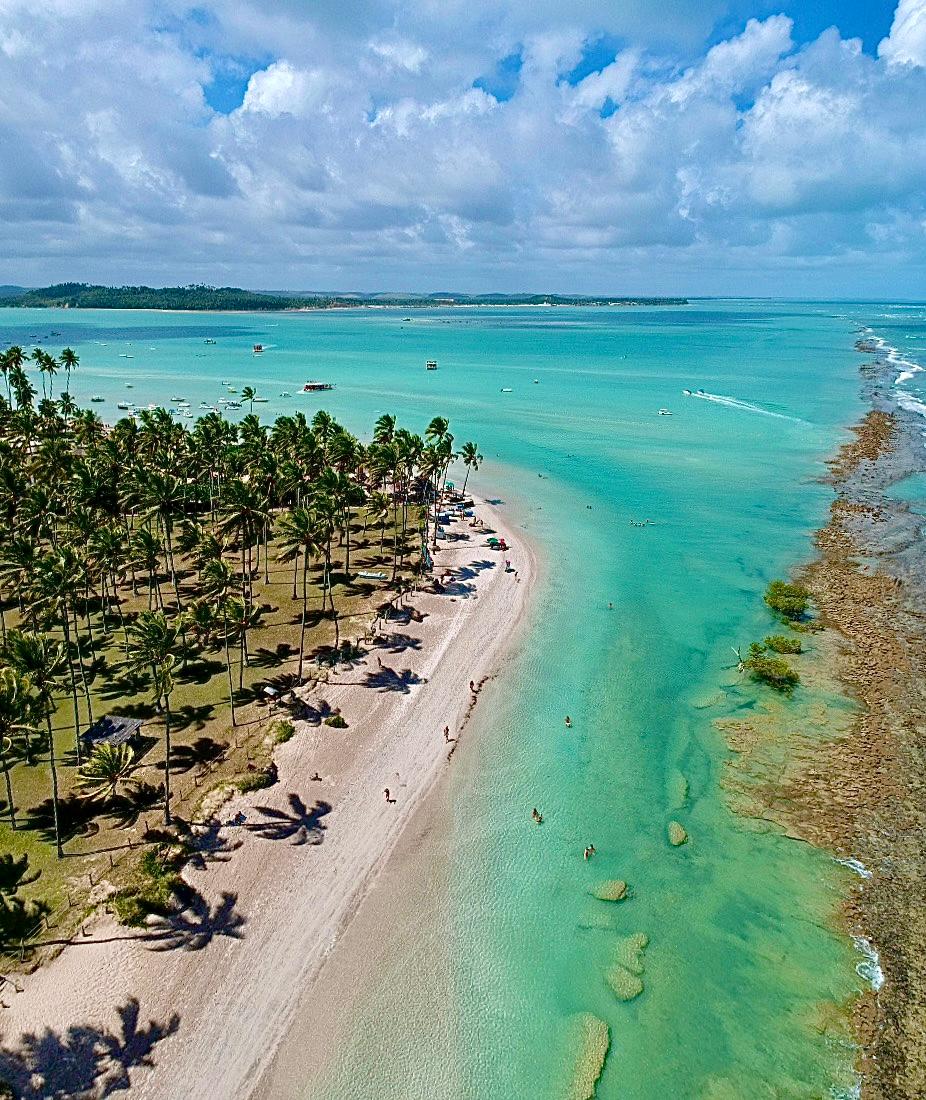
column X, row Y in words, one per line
column 200, row 297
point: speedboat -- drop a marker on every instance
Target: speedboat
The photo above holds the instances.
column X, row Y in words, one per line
column 125, row 405
column 285, row 394
column 431, row 364
column 687, row 393
column 506, row 389
column 97, row 398
column 260, row 400
column 258, row 348
column 177, row 400
column 208, row 340
column 665, row 412
column 536, row 381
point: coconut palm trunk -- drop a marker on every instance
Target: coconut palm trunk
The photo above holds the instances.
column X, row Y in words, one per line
column 54, row 781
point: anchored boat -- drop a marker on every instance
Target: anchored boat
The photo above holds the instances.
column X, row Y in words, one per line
column 313, row 387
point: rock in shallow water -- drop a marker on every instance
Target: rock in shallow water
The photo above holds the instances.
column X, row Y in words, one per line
column 677, row 834
column 591, row 1037
column 613, row 890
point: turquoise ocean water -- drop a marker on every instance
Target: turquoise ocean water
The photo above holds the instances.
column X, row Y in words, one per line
column 741, row 963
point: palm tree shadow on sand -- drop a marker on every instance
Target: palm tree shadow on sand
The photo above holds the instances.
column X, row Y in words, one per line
column 387, row 679
column 84, row 1061
column 300, row 825
column 197, row 924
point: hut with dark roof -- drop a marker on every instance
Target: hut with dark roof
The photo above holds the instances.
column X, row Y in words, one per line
column 112, row 729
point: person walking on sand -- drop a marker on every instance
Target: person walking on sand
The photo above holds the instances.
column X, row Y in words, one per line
column 447, row 735
column 472, row 687
column 388, row 795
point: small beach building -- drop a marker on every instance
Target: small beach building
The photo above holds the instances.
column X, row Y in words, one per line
column 113, row 729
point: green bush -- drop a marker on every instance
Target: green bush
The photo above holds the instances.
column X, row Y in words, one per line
column 781, row 643
column 159, row 877
column 336, row 721
column 772, row 671
column 282, row 732
column 789, row 601
column 257, row 780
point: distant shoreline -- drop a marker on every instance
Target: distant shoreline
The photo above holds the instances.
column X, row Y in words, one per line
column 210, row 299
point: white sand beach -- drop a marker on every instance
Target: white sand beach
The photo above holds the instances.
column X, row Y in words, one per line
column 280, row 888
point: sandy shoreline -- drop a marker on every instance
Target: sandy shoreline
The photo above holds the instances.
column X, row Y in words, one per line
column 280, row 889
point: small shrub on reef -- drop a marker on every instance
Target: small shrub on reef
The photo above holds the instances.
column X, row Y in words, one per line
column 337, row 721
column 781, row 643
column 789, row 601
column 771, row 670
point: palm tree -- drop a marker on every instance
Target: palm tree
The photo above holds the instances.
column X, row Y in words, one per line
column 469, row 452
column 108, row 768
column 239, row 619
column 44, row 662
column 300, row 535
column 15, row 721
column 146, row 550
column 378, row 506
column 154, row 641
column 217, row 583
column 70, row 362
column 248, row 394
column 245, row 514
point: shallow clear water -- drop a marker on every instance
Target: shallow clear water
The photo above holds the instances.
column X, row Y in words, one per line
column 741, row 964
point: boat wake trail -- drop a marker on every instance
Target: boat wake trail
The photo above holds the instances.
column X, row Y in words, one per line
column 746, row 406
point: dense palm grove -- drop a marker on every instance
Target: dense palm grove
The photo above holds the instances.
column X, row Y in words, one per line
column 147, row 540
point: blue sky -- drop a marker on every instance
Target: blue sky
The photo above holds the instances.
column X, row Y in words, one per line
column 717, row 146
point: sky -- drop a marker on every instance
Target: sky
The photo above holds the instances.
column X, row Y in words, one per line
column 673, row 147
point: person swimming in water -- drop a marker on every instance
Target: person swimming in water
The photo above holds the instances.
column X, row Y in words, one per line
column 568, row 722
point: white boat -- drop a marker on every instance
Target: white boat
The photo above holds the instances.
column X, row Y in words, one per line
column 506, row 389
column 125, row 405
column 687, row 393
column 97, row 398
column 285, row 394
column 260, row 400
column 208, row 340
column 177, row 400
column 665, row 412
column 431, row 364
column 130, row 385
column 536, row 381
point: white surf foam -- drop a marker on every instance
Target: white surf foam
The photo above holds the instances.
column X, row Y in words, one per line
column 870, row 967
column 855, row 865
